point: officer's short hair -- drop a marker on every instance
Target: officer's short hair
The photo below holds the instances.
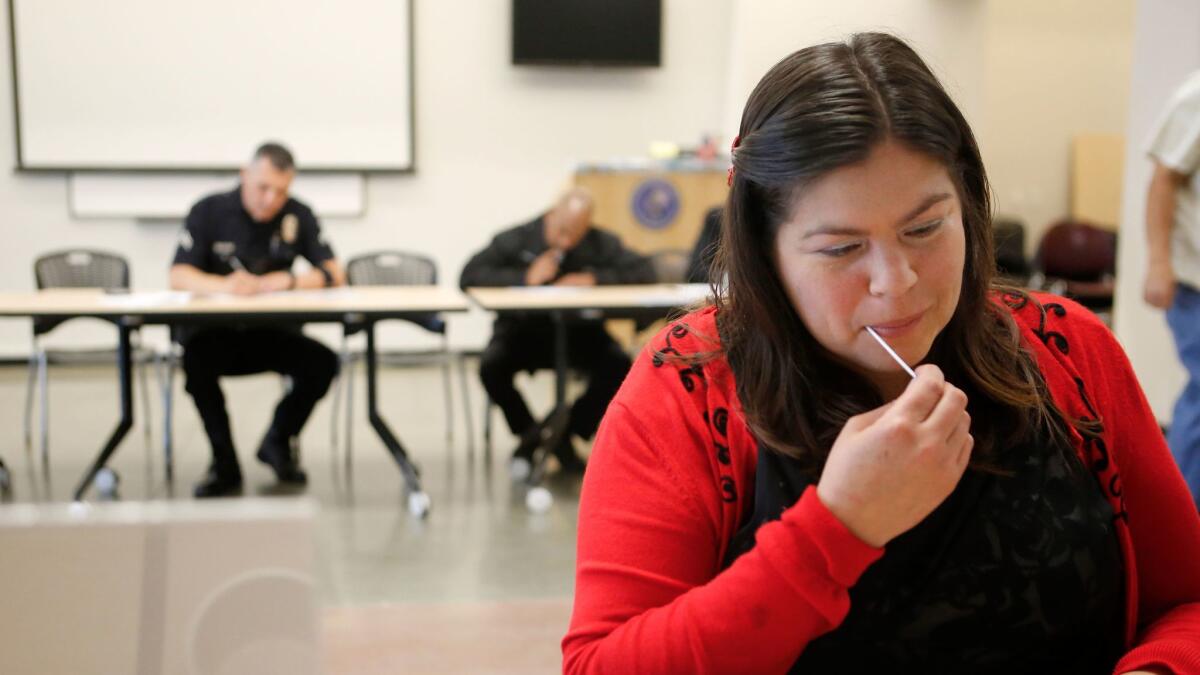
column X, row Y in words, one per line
column 279, row 156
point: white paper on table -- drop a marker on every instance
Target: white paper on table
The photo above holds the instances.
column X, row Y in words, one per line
column 552, row 290
column 684, row 294
column 146, row 299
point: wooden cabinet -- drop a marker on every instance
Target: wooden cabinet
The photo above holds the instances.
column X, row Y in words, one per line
column 655, row 206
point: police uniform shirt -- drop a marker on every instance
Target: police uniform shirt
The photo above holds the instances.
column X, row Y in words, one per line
column 219, row 236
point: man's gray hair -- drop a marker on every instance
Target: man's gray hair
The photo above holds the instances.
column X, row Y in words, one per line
column 275, row 153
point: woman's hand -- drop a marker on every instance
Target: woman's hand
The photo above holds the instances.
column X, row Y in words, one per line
column 890, row 467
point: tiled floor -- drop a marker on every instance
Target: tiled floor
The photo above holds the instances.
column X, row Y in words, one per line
column 514, row 638
column 479, row 557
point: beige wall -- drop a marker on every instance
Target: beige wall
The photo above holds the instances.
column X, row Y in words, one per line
column 1052, row 70
column 947, row 33
column 1028, row 74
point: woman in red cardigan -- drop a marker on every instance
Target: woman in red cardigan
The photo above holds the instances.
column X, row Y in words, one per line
column 771, row 491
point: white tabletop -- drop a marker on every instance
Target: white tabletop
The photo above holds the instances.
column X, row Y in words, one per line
column 550, row 298
column 372, row 300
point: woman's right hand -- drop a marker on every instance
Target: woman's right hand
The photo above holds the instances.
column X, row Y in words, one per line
column 891, row 467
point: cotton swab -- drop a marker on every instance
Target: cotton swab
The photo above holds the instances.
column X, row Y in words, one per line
column 891, row 352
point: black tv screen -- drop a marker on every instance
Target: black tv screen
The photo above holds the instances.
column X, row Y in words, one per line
column 587, row 32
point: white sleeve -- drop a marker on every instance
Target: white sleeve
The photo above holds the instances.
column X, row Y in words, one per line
column 1176, row 140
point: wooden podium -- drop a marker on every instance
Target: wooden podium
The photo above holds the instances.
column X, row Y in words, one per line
column 654, row 206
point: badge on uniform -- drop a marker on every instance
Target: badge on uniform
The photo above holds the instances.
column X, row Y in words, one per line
column 289, row 228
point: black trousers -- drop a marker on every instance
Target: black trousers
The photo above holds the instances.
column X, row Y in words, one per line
column 215, row 352
column 529, row 345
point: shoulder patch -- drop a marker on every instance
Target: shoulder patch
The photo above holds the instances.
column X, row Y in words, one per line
column 289, row 228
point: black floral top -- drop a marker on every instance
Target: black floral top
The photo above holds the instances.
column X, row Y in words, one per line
column 1015, row 573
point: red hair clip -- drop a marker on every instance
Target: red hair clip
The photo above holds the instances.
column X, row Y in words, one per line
column 729, row 175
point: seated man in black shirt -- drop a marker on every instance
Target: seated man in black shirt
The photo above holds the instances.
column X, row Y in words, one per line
column 244, row 242
column 560, row 248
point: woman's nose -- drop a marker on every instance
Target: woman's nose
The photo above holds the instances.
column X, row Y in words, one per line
column 891, row 272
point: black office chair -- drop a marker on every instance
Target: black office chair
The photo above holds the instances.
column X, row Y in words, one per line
column 1008, row 240
column 705, row 248
column 396, row 268
column 74, row 268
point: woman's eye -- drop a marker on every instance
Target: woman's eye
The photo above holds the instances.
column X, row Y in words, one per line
column 925, row 230
column 839, row 251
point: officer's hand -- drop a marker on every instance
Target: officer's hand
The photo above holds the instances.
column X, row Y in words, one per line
column 543, row 268
column 276, row 281
column 1159, row 289
column 890, row 467
column 241, row 282
column 576, row 279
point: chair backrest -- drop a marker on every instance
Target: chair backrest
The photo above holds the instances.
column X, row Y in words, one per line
column 397, row 268
column 670, row 265
column 81, row 268
column 1077, row 251
column 391, row 268
column 705, row 248
column 1008, row 240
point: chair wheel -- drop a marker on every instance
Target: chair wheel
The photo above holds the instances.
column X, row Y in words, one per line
column 538, row 499
column 418, row 504
column 106, row 482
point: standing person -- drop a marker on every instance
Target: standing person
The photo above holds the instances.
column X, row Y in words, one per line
column 245, row 242
column 558, row 248
column 773, row 491
column 1173, row 268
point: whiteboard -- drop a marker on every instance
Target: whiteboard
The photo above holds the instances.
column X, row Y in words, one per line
column 171, row 195
column 181, row 85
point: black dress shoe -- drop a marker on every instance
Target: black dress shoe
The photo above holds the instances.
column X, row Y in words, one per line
column 223, row 483
column 521, row 463
column 278, row 456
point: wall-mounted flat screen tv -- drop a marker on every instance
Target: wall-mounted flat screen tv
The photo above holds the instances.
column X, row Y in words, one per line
column 587, row 32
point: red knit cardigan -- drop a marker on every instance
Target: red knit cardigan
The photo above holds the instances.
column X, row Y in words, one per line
column 671, row 477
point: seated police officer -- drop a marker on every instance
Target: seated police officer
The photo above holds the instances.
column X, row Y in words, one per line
column 560, row 248
column 244, row 242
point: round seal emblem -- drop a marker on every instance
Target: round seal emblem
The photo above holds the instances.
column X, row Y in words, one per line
column 655, row 203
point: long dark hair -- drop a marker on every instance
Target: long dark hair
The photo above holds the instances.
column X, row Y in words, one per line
column 822, row 108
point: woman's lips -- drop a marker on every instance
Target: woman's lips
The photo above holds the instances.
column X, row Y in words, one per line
column 898, row 326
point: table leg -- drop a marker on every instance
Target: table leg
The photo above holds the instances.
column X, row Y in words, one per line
column 125, row 377
column 554, row 426
column 411, row 474
column 560, row 359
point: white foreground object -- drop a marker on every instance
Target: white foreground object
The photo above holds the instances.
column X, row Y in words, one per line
column 213, row 587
